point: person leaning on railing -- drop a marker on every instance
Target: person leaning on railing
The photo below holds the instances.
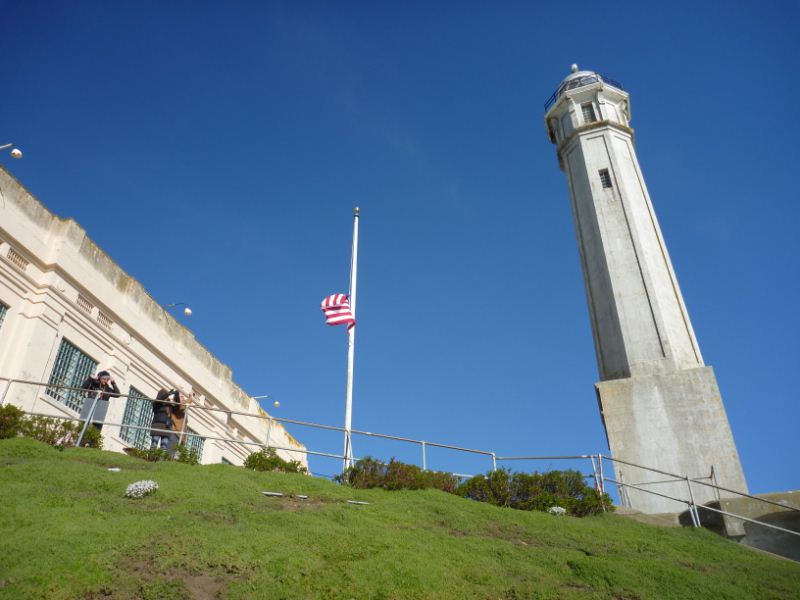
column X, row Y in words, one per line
column 164, row 414
column 103, row 386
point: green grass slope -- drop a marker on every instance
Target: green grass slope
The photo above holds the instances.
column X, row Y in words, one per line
column 68, row 532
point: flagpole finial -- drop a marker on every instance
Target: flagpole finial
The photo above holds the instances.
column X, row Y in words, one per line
column 356, row 211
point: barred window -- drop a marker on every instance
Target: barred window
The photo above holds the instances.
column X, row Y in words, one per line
column 588, row 113
column 84, row 304
column 605, row 178
column 195, row 442
column 3, row 311
column 139, row 413
column 17, row 259
column 71, row 369
column 104, row 320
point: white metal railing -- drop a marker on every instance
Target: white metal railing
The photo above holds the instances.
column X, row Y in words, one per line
column 596, row 460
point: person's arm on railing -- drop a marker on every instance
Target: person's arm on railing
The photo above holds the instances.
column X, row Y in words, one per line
column 88, row 385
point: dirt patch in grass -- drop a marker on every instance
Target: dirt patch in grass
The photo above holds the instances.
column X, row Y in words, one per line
column 293, row 503
column 183, row 583
column 695, row 567
column 457, row 533
column 513, row 534
column 205, row 587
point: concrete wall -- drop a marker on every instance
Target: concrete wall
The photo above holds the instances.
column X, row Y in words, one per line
column 753, row 534
column 676, row 423
column 59, row 284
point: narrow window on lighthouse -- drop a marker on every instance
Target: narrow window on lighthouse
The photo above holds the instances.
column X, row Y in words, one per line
column 588, row 113
column 605, row 178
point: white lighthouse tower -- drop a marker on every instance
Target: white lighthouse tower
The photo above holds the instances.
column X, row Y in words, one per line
column 660, row 404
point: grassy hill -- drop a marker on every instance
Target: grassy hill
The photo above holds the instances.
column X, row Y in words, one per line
column 68, row 532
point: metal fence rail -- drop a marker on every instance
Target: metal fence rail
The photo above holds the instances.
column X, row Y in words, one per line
column 596, row 460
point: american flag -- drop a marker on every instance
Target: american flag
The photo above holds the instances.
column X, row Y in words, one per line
column 337, row 310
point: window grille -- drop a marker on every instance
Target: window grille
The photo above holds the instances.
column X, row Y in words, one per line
column 605, row 178
column 195, row 442
column 71, row 369
column 84, row 304
column 588, row 113
column 104, row 320
column 138, row 412
column 17, row 259
column 3, row 311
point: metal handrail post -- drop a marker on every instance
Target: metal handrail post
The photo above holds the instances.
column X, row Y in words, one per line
column 88, row 419
column 494, row 462
column 714, row 481
column 184, row 427
column 5, row 390
column 594, row 474
column 624, row 499
column 692, row 506
column 424, row 457
column 602, row 477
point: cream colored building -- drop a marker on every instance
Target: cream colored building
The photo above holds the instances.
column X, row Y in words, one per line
column 67, row 310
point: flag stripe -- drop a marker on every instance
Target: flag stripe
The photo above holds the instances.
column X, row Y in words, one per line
column 337, row 310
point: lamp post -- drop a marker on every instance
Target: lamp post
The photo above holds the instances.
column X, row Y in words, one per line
column 276, row 404
column 15, row 152
column 186, row 310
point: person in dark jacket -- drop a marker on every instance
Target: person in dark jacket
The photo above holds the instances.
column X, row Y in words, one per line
column 101, row 387
column 162, row 417
column 103, row 383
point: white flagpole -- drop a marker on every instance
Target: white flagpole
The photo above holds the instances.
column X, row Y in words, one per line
column 351, row 346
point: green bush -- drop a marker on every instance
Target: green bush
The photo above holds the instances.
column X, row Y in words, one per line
column 56, row 432
column 11, row 421
column 153, row 455
column 494, row 488
column 536, row 491
column 187, row 455
column 50, row 430
column 395, row 475
column 92, row 438
column 268, row 460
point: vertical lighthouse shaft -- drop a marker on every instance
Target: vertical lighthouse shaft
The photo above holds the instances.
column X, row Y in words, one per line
column 660, row 403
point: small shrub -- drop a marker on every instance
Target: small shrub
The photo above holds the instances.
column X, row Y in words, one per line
column 11, row 421
column 49, row 430
column 268, row 460
column 154, row 455
column 537, row 491
column 494, row 488
column 92, row 438
column 395, row 475
column 187, row 455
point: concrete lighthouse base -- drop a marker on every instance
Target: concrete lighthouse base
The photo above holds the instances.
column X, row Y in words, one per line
column 674, row 422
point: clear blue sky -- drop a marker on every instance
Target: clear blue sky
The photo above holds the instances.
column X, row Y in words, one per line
column 216, row 150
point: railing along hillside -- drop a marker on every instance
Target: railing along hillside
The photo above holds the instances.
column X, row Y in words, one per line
column 594, row 461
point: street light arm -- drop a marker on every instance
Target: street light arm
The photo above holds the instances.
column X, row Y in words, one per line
column 15, row 152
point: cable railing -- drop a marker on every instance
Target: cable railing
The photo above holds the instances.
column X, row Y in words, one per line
column 596, row 461
column 576, row 82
